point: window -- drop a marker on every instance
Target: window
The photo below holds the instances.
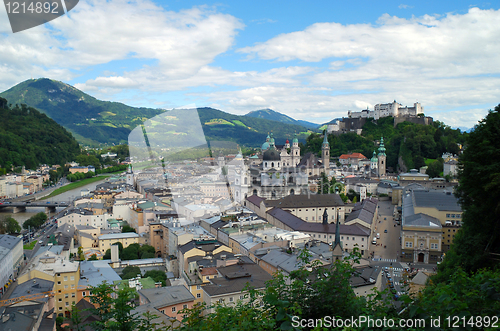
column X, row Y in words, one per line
column 72, row 286
column 448, row 215
column 60, row 308
column 66, row 295
column 313, row 218
column 352, row 238
column 83, row 293
column 66, row 304
column 173, row 309
column 362, row 239
column 198, row 287
column 434, row 246
column 72, row 278
column 59, row 283
column 72, row 295
column 58, row 275
column 231, row 299
column 65, row 287
column 307, row 218
column 409, row 244
column 198, row 295
column 184, row 306
column 65, row 278
column 60, row 299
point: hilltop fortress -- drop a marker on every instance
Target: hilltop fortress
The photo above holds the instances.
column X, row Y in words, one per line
column 355, row 120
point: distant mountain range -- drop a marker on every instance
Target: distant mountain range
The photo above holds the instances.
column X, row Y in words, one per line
column 272, row 115
column 93, row 121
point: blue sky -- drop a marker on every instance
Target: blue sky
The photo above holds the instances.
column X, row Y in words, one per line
column 310, row 60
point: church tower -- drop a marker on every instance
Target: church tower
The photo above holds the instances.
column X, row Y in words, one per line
column 325, row 154
column 130, row 176
column 295, row 151
column 381, row 159
column 374, row 164
column 337, row 251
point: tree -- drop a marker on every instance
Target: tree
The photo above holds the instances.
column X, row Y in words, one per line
column 9, row 225
column 35, row 221
column 100, row 297
column 157, row 275
column 93, row 257
column 127, row 228
column 130, row 272
column 76, row 318
column 477, row 245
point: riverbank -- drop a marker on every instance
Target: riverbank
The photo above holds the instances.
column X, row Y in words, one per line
column 75, row 185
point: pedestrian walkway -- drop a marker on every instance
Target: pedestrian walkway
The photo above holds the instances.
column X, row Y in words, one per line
column 386, row 260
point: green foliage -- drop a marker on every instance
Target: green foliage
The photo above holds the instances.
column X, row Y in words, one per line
column 157, row 275
column 127, row 228
column 477, row 244
column 9, row 225
column 464, row 295
column 30, row 138
column 35, row 221
column 93, row 257
column 130, row 272
column 407, row 145
column 86, row 117
column 435, row 168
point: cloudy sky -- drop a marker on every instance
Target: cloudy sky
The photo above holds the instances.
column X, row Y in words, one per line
column 310, row 60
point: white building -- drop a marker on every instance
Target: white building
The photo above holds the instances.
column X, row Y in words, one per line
column 393, row 109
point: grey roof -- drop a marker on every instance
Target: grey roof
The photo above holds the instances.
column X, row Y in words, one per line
column 205, row 245
column 236, row 277
column 56, row 249
column 9, row 241
column 440, row 200
column 305, row 201
column 364, row 211
column 167, row 296
column 33, row 286
column 420, row 278
column 297, row 224
column 364, row 276
column 94, row 273
column 84, row 227
column 421, row 220
column 255, row 200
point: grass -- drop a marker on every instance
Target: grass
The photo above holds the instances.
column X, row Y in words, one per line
column 74, row 185
column 429, row 161
column 30, row 245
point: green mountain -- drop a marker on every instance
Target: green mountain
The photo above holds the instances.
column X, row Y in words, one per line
column 94, row 121
column 246, row 130
column 272, row 115
column 89, row 119
column 30, row 138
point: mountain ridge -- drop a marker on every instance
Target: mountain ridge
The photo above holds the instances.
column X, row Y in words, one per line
column 93, row 121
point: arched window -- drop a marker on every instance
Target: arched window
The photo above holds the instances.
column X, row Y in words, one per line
column 272, row 164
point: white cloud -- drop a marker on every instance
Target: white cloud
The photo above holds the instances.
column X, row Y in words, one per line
column 98, row 32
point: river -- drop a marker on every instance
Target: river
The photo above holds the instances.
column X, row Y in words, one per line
column 63, row 197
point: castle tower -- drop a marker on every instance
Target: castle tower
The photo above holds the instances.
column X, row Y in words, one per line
column 381, row 159
column 295, row 151
column 325, row 154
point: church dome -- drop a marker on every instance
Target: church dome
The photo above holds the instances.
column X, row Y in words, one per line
column 374, row 158
column 265, row 146
column 271, row 155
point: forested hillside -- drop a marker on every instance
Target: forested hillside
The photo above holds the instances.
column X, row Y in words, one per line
column 408, row 145
column 30, row 138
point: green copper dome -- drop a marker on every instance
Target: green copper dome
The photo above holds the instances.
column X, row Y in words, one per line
column 381, row 149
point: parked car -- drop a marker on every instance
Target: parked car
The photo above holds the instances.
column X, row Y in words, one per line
column 385, row 231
